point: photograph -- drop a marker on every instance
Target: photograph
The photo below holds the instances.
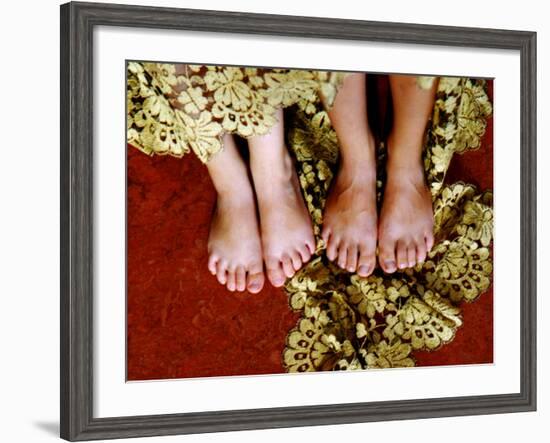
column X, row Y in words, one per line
column 283, row 220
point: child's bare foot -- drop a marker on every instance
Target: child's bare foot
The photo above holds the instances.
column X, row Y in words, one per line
column 349, row 221
column 235, row 253
column 286, row 227
column 287, row 233
column 234, row 244
column 405, row 232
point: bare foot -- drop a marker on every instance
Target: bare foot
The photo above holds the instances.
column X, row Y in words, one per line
column 235, row 253
column 234, row 245
column 405, row 232
column 349, row 220
column 286, row 227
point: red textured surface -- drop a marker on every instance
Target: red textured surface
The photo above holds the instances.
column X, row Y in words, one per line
column 182, row 323
column 474, row 340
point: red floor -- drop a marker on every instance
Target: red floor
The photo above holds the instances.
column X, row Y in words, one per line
column 182, row 323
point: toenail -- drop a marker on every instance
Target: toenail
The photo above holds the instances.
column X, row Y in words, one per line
column 402, row 265
column 390, row 264
column 363, row 270
column 351, row 268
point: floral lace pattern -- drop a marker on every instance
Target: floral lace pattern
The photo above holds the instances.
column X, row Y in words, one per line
column 176, row 108
column 348, row 322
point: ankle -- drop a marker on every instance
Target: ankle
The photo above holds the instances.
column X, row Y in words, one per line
column 404, row 154
column 358, row 169
column 358, row 153
column 232, row 184
column 405, row 173
column 270, row 168
column 356, row 175
column 234, row 198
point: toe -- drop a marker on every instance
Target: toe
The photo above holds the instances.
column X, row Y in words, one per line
column 275, row 273
column 402, row 258
column 351, row 265
column 255, row 282
column 221, row 272
column 255, row 278
column 310, row 243
column 240, row 278
column 342, row 256
column 429, row 241
column 304, row 253
column 332, row 248
column 365, row 264
column 386, row 256
column 296, row 260
column 325, row 235
column 212, row 262
column 420, row 251
column 288, row 269
column 411, row 256
column 231, row 283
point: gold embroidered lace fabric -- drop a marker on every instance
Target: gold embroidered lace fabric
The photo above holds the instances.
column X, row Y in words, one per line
column 347, row 322
column 175, row 108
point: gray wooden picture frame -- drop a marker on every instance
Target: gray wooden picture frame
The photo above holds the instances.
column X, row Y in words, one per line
column 77, row 24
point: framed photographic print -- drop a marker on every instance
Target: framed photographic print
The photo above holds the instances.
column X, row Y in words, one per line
column 272, row 221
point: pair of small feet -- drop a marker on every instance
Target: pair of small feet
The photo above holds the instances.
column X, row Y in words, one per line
column 239, row 245
column 283, row 238
column 269, row 226
column 352, row 232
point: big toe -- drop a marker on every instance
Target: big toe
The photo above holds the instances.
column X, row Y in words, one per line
column 386, row 255
column 255, row 282
column 366, row 262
